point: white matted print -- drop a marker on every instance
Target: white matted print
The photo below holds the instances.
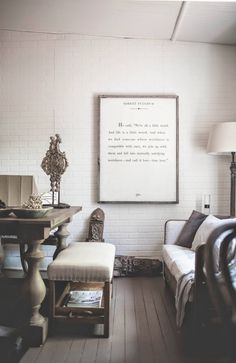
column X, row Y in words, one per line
column 139, row 149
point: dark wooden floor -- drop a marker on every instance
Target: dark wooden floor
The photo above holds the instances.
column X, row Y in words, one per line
column 142, row 331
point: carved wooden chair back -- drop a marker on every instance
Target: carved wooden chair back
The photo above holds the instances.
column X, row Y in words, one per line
column 221, row 280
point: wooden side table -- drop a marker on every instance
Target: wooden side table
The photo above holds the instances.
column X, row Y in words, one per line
column 33, row 232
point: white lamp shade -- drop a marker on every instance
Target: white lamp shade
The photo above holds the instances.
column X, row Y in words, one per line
column 222, row 138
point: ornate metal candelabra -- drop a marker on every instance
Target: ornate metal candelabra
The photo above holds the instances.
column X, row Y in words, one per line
column 55, row 164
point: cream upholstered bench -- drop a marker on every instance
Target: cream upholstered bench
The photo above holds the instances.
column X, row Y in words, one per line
column 85, row 266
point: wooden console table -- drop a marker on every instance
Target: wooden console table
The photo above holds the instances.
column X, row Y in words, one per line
column 33, row 232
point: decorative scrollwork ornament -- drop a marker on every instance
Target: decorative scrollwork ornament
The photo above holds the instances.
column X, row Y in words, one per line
column 55, row 164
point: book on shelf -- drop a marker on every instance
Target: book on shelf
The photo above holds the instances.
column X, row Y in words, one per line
column 84, row 298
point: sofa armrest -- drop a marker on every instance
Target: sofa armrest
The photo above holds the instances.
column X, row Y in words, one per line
column 173, row 227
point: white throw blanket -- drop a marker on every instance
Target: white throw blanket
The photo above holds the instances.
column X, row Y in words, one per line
column 183, row 295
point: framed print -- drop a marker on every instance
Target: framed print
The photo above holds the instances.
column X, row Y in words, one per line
column 138, row 149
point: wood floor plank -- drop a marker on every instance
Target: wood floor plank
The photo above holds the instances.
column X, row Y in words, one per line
column 159, row 349
column 47, row 352
column 76, row 350
column 90, row 350
column 104, row 350
column 62, row 346
column 118, row 336
column 144, row 340
column 170, row 335
column 31, row 355
column 168, row 301
column 104, row 345
column 131, row 335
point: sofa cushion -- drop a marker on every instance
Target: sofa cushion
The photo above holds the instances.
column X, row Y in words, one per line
column 204, row 232
column 190, row 228
column 179, row 260
column 206, row 228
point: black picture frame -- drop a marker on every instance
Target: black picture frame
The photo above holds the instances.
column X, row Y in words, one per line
column 139, row 149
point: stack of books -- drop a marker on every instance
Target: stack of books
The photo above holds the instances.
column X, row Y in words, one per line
column 84, row 298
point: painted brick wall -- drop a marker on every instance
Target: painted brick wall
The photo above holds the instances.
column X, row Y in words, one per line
column 50, row 84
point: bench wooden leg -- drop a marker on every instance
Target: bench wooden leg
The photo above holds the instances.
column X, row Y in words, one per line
column 106, row 294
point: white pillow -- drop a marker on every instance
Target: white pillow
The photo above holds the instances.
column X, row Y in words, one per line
column 205, row 229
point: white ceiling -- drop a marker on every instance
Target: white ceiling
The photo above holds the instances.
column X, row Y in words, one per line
column 194, row 21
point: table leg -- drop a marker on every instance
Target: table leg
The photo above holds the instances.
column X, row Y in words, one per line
column 34, row 292
column 62, row 234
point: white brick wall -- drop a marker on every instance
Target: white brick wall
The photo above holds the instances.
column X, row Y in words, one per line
column 42, row 73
